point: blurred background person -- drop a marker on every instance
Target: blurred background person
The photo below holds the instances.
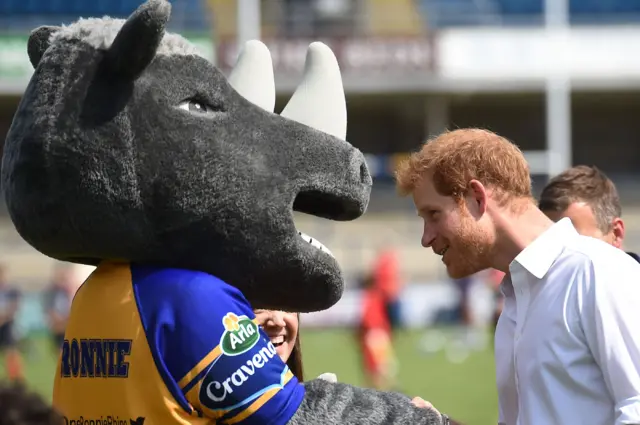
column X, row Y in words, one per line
column 9, row 305
column 374, row 337
column 386, row 274
column 21, row 406
column 463, row 308
column 494, row 279
column 57, row 302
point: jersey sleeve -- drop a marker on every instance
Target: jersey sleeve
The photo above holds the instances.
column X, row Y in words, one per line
column 214, row 358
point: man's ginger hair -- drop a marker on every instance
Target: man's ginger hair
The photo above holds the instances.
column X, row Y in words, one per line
column 454, row 158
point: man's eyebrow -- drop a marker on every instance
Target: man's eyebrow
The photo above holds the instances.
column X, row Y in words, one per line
column 427, row 207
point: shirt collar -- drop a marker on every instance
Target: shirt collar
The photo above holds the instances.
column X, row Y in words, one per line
column 538, row 257
column 634, row 256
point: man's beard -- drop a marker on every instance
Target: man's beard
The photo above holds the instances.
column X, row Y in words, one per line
column 468, row 253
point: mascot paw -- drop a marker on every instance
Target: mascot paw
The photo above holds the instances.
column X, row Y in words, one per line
column 330, row 377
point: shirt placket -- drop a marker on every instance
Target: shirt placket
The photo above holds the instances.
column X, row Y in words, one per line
column 523, row 299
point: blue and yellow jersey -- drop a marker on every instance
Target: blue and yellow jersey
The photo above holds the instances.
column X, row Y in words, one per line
column 148, row 345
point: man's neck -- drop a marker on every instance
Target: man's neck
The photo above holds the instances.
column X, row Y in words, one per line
column 516, row 231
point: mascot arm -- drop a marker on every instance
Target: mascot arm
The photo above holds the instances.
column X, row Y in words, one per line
column 214, row 358
column 218, row 363
column 337, row 403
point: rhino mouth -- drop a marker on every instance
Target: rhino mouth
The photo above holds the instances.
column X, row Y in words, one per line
column 343, row 206
column 320, row 205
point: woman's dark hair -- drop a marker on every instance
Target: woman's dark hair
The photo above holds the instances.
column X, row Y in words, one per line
column 295, row 359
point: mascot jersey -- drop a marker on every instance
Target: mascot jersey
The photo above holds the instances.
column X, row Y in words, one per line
column 126, row 125
column 155, row 346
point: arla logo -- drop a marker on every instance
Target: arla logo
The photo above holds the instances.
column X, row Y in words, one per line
column 232, row 381
column 240, row 334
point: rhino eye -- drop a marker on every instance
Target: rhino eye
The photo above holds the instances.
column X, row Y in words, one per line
column 195, row 106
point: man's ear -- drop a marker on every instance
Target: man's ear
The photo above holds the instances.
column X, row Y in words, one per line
column 618, row 232
column 477, row 194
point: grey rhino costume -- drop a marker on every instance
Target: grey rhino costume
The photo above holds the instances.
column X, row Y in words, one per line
column 132, row 153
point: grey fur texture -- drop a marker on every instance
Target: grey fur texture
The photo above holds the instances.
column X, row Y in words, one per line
column 101, row 162
column 127, row 145
column 99, row 33
column 338, row 403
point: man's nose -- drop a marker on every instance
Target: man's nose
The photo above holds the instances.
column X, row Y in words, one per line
column 428, row 236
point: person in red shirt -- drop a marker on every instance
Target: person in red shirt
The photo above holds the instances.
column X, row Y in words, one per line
column 374, row 337
column 387, row 279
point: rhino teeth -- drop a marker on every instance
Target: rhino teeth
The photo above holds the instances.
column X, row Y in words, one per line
column 315, row 243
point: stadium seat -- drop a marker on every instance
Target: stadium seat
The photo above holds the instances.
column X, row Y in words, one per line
column 604, row 10
column 393, row 17
column 224, row 17
column 473, row 12
column 446, row 13
column 521, row 7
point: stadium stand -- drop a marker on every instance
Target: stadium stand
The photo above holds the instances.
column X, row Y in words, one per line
column 23, row 15
column 410, row 17
column 446, row 13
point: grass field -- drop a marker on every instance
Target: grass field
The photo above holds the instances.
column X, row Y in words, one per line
column 433, row 365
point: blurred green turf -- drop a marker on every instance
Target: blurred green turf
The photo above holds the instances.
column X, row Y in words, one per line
column 463, row 387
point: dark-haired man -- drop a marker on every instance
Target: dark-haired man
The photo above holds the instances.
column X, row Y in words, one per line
column 590, row 199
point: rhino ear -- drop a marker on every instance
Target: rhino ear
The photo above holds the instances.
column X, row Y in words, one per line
column 136, row 44
column 39, row 43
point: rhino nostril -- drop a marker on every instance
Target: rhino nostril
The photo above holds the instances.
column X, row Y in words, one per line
column 358, row 169
column 364, row 173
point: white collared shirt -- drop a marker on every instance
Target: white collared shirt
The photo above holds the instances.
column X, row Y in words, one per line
column 567, row 346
